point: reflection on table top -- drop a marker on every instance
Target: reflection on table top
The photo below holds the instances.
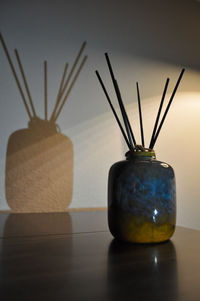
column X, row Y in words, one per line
column 72, row 256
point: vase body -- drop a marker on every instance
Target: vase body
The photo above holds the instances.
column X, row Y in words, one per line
column 141, row 200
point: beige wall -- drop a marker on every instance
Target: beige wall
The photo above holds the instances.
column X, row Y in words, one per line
column 148, row 41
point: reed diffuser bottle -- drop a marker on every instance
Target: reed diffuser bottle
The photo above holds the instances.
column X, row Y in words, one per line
column 141, row 189
column 141, row 199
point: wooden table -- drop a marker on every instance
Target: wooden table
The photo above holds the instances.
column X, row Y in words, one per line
column 72, row 256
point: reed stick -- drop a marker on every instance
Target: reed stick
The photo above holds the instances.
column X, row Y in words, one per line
column 25, row 82
column 121, row 105
column 140, row 115
column 15, row 76
column 168, row 106
column 45, row 92
column 125, row 115
column 70, row 88
column 159, row 112
column 113, row 110
column 67, row 81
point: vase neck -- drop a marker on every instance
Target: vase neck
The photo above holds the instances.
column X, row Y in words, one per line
column 140, row 155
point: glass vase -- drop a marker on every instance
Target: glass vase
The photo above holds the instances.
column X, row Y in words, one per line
column 141, row 199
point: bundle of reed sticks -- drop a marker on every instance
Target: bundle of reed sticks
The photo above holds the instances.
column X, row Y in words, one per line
column 127, row 131
column 63, row 91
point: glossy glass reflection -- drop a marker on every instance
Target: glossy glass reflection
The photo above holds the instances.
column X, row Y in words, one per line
column 146, row 270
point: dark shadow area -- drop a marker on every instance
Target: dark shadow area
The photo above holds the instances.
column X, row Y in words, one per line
column 39, row 168
column 34, row 262
column 166, row 31
column 41, row 259
column 136, row 271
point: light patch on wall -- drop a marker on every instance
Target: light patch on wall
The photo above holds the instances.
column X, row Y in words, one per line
column 178, row 144
column 97, row 145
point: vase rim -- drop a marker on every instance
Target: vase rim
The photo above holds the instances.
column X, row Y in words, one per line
column 139, row 153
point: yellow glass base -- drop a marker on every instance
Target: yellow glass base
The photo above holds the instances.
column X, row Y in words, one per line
column 145, row 232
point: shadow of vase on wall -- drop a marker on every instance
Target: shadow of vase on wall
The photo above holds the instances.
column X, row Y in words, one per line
column 39, row 169
column 39, row 159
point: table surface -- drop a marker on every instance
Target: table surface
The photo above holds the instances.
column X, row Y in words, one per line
column 72, row 256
